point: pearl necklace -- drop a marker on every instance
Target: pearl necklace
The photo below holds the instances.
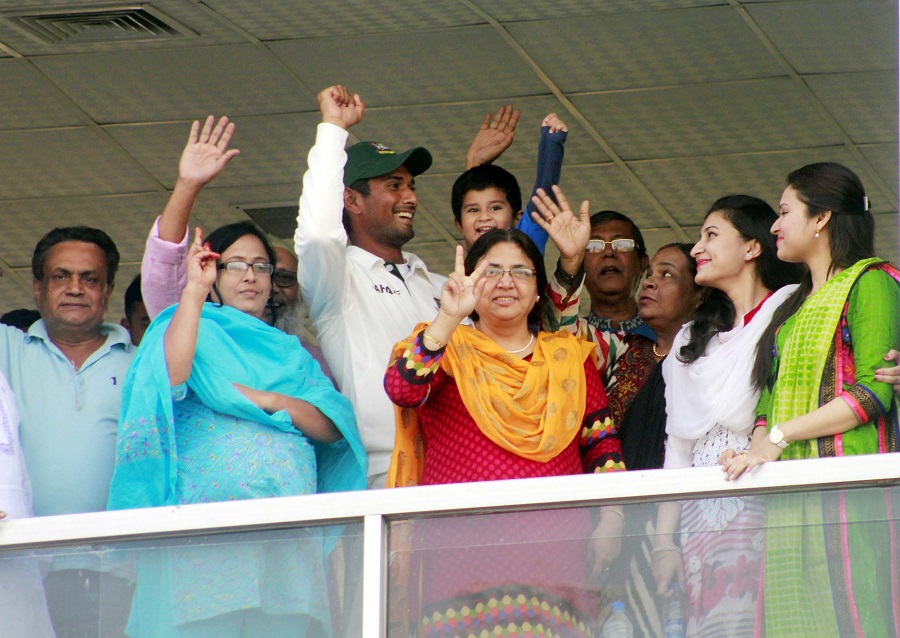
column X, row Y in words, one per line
column 527, row 345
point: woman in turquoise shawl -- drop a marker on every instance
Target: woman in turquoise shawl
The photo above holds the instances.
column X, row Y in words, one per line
column 830, row 560
column 219, row 406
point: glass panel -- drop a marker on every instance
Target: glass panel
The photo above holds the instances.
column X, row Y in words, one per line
column 830, row 560
column 282, row 582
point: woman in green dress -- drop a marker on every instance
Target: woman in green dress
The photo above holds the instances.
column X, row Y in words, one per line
column 825, row 575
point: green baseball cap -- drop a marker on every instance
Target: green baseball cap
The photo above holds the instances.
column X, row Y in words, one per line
column 371, row 159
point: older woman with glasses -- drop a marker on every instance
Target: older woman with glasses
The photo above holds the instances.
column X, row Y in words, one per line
column 220, row 406
column 498, row 399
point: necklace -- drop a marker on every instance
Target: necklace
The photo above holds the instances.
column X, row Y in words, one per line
column 658, row 354
column 527, row 345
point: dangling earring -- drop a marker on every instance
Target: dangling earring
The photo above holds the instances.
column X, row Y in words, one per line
column 817, row 234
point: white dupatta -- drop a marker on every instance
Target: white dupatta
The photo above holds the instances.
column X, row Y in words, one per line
column 717, row 388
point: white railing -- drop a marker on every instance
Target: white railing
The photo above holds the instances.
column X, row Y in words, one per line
column 375, row 509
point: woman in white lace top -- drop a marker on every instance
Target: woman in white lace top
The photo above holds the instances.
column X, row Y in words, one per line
column 710, row 407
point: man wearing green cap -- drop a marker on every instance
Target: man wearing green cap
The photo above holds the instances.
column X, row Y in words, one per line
column 364, row 292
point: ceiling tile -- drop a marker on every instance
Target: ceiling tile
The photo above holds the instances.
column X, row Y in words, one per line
column 832, row 36
column 469, row 63
column 76, row 161
column 209, row 28
column 273, row 148
column 447, row 130
column 34, row 103
column 629, row 50
column 521, row 10
column 139, row 86
column 864, row 104
column 279, row 20
column 883, row 158
column 886, row 237
column 688, row 187
column 709, row 119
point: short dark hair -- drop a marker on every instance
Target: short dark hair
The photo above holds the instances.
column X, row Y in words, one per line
column 224, row 236
column 513, row 236
column 76, row 233
column 604, row 216
column 479, row 178
column 362, row 187
column 133, row 295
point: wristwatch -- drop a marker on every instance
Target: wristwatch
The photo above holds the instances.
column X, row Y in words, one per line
column 776, row 436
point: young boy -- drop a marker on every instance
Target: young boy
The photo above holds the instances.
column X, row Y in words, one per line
column 487, row 196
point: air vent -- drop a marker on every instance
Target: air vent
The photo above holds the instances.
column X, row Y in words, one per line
column 89, row 26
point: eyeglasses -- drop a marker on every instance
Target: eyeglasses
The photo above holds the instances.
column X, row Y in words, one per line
column 240, row 267
column 285, row 278
column 492, row 272
column 618, row 245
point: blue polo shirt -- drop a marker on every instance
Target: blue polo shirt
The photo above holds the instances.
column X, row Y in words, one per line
column 69, row 417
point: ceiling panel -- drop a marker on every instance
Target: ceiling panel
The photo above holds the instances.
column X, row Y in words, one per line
column 138, row 86
column 864, row 104
column 521, row 10
column 447, row 130
column 206, row 27
column 448, row 65
column 883, row 158
column 624, row 50
column 758, row 115
column 34, row 103
column 273, row 148
column 832, row 37
column 66, row 162
column 279, row 20
column 688, row 187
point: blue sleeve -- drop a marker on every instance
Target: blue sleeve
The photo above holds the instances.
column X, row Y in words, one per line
column 551, row 150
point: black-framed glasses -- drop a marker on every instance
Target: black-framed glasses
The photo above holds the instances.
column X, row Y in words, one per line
column 285, row 278
column 240, row 267
column 618, row 245
column 492, row 272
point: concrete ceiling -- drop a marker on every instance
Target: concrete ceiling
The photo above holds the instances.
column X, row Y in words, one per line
column 670, row 105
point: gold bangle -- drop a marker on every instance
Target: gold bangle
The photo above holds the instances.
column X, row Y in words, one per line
column 616, row 512
column 427, row 337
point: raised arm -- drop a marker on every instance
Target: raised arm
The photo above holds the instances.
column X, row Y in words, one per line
column 320, row 239
column 551, row 150
column 180, row 339
column 496, row 134
column 163, row 266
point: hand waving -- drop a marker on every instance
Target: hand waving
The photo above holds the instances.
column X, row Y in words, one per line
column 495, row 136
column 569, row 232
column 206, row 153
column 460, row 292
column 340, row 108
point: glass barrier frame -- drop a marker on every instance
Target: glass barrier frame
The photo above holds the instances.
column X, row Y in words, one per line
column 376, row 509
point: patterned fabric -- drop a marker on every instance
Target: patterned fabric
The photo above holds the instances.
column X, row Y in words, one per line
column 535, row 415
column 508, row 615
column 635, row 325
column 722, row 561
column 841, row 567
column 629, row 374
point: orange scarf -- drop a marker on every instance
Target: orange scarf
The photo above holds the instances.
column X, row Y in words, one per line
column 531, row 408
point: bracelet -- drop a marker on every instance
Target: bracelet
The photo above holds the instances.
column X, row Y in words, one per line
column 426, row 337
column 666, row 548
column 616, row 512
column 759, row 425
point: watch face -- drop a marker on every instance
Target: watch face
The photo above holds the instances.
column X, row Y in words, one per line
column 776, row 436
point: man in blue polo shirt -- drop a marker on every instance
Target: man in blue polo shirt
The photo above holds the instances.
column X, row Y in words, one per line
column 66, row 373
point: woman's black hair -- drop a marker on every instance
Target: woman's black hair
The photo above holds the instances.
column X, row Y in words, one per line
column 824, row 186
column 222, row 238
column 513, row 236
column 753, row 219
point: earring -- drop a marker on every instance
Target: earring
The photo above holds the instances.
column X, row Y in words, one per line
column 817, row 233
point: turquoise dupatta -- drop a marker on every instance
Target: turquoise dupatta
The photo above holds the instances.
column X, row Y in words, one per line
column 232, row 347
